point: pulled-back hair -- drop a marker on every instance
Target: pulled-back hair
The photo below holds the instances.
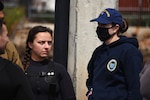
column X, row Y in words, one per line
column 125, row 26
column 31, row 36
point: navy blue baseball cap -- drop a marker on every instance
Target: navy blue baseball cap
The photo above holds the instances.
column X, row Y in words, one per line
column 109, row 16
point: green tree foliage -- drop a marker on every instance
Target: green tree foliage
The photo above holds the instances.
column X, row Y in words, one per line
column 13, row 16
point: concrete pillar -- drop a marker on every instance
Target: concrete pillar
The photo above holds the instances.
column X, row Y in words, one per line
column 83, row 39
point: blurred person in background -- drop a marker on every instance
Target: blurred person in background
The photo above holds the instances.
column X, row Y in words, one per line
column 145, row 81
column 13, row 82
column 11, row 52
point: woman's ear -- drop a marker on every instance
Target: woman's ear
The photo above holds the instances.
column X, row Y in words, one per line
column 30, row 44
column 116, row 28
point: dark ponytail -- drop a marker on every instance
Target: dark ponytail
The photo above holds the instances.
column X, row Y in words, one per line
column 125, row 26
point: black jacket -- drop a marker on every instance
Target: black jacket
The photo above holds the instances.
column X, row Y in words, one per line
column 13, row 82
column 114, row 71
column 37, row 73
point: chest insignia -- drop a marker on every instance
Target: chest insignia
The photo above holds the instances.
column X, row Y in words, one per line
column 112, row 64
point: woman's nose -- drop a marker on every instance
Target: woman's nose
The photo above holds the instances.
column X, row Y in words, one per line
column 47, row 45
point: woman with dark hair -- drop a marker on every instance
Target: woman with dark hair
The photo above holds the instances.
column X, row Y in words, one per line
column 113, row 70
column 47, row 78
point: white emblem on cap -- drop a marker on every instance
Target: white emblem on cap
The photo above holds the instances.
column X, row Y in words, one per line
column 107, row 13
column 112, row 64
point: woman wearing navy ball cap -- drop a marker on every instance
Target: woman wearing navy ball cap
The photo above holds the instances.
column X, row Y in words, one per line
column 113, row 70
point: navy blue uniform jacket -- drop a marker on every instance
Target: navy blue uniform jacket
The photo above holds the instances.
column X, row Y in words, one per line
column 113, row 71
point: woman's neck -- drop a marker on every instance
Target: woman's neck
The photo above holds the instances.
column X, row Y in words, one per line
column 37, row 59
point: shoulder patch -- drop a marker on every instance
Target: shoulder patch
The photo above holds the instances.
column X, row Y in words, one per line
column 112, row 64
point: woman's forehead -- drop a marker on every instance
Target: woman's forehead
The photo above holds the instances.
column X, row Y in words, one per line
column 39, row 34
column 43, row 35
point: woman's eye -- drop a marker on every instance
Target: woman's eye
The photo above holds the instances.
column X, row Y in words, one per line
column 41, row 42
column 49, row 42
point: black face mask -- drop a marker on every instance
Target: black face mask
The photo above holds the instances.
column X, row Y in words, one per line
column 103, row 33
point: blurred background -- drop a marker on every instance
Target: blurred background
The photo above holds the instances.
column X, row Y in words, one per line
column 28, row 10
column 21, row 15
column 137, row 13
